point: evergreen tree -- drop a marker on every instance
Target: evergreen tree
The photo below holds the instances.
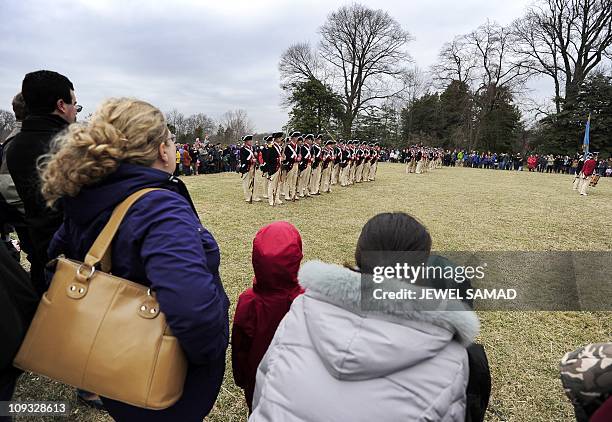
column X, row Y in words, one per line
column 379, row 124
column 421, row 120
column 564, row 132
column 499, row 120
column 315, row 108
column 456, row 115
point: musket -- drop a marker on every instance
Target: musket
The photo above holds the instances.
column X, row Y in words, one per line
column 297, row 181
column 252, row 185
column 330, row 135
column 309, row 178
column 336, row 142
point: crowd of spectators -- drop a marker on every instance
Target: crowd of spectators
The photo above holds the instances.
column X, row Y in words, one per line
column 203, row 157
column 542, row 163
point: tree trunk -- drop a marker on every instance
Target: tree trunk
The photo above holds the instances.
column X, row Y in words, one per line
column 571, row 93
column 557, row 97
column 347, row 124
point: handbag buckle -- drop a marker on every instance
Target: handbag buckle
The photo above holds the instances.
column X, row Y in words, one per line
column 92, row 270
column 78, row 288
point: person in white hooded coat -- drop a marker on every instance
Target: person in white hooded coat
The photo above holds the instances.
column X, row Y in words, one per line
column 332, row 361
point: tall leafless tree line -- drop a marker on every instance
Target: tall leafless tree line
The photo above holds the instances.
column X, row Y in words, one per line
column 229, row 129
column 562, row 39
column 565, row 40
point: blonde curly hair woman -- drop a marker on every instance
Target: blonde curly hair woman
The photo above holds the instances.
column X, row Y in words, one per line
column 126, row 146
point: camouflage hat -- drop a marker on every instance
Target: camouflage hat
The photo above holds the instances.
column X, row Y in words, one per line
column 586, row 374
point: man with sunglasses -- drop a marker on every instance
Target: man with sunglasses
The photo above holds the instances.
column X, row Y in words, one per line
column 52, row 105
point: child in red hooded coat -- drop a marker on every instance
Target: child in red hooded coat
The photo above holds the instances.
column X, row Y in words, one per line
column 277, row 253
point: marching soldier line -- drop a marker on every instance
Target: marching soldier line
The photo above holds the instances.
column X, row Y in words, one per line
column 422, row 159
column 300, row 167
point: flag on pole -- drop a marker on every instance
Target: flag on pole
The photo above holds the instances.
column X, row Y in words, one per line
column 585, row 143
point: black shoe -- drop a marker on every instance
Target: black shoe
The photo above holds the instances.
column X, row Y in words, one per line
column 83, row 397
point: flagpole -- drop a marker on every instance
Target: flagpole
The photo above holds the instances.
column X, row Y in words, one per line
column 586, row 142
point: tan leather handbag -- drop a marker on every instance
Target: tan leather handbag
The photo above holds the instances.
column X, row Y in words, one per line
column 105, row 334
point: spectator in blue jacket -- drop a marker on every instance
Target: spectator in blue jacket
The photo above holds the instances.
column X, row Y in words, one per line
column 126, row 146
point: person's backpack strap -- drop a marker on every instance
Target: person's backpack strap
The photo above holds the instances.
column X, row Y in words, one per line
column 100, row 251
column 479, row 384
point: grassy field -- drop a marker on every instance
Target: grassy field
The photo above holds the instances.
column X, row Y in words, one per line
column 464, row 209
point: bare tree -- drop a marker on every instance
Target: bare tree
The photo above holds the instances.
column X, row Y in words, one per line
column 235, row 124
column 491, row 45
column 535, row 44
column 485, row 63
column 417, row 84
column 566, row 40
column 299, row 63
column 455, row 63
column 365, row 51
column 177, row 120
column 483, row 58
column 7, row 123
column 199, row 125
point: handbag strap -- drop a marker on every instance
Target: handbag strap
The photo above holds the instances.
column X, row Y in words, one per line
column 100, row 251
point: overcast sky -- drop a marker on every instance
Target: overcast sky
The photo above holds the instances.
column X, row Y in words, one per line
column 202, row 56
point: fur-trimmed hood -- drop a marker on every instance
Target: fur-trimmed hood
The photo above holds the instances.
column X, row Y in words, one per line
column 358, row 344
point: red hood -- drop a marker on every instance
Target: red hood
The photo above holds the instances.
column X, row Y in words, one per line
column 277, row 253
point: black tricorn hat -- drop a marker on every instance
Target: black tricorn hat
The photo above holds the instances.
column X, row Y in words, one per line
column 319, row 136
column 266, row 138
column 277, row 135
column 295, row 134
column 309, row 136
column 329, row 142
column 247, row 138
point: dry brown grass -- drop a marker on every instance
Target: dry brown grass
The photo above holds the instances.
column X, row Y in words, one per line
column 464, row 209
